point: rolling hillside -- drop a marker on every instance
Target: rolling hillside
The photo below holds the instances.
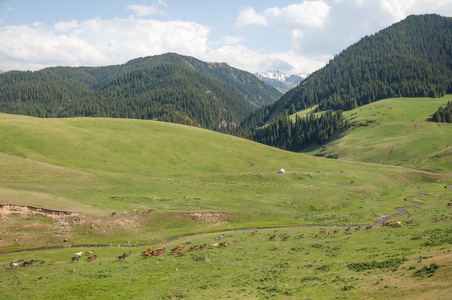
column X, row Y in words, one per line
column 137, row 183
column 98, row 166
column 396, row 131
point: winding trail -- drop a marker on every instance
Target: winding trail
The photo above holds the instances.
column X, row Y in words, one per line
column 402, row 211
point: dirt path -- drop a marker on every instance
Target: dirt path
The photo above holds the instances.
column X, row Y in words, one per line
column 402, row 211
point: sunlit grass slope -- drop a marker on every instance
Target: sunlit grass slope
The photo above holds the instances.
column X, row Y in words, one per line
column 99, row 166
column 396, row 131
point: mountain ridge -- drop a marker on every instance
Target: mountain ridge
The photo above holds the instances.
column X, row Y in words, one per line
column 280, row 80
column 411, row 58
column 211, row 95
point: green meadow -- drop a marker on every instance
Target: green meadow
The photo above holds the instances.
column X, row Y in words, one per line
column 138, row 183
column 396, row 131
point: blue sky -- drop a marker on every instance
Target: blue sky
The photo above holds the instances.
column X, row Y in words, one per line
column 287, row 35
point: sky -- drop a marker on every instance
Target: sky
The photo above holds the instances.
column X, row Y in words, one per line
column 258, row 35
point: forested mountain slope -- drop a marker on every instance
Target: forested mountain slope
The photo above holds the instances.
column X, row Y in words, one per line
column 412, row 58
column 168, row 87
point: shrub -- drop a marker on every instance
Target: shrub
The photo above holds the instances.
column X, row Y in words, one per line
column 429, row 271
column 390, row 263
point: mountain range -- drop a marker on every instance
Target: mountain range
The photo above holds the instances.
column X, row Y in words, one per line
column 412, row 58
column 280, row 80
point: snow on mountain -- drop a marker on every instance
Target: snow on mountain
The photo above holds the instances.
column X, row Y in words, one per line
column 280, row 80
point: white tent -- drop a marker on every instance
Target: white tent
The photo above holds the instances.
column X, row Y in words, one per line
column 282, row 171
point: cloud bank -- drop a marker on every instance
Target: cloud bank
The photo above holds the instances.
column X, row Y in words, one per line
column 315, row 31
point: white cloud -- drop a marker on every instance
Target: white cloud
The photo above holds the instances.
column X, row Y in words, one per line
column 97, row 42
column 248, row 16
column 305, row 14
column 304, row 36
column 66, row 26
column 228, row 40
column 399, row 9
column 142, row 10
column 243, row 58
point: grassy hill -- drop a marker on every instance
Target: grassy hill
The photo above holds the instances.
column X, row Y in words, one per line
column 100, row 166
column 396, row 131
column 199, row 181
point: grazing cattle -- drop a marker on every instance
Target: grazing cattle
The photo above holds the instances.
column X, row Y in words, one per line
column 92, row 258
column 75, row 258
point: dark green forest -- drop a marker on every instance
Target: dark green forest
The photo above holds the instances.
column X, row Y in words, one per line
column 301, row 133
column 412, row 58
column 168, row 87
column 443, row 114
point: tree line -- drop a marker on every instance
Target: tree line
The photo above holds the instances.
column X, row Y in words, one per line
column 443, row 114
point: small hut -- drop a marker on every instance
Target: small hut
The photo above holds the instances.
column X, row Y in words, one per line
column 282, row 171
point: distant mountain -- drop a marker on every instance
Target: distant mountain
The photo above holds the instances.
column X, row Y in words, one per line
column 412, row 58
column 280, row 80
column 167, row 87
